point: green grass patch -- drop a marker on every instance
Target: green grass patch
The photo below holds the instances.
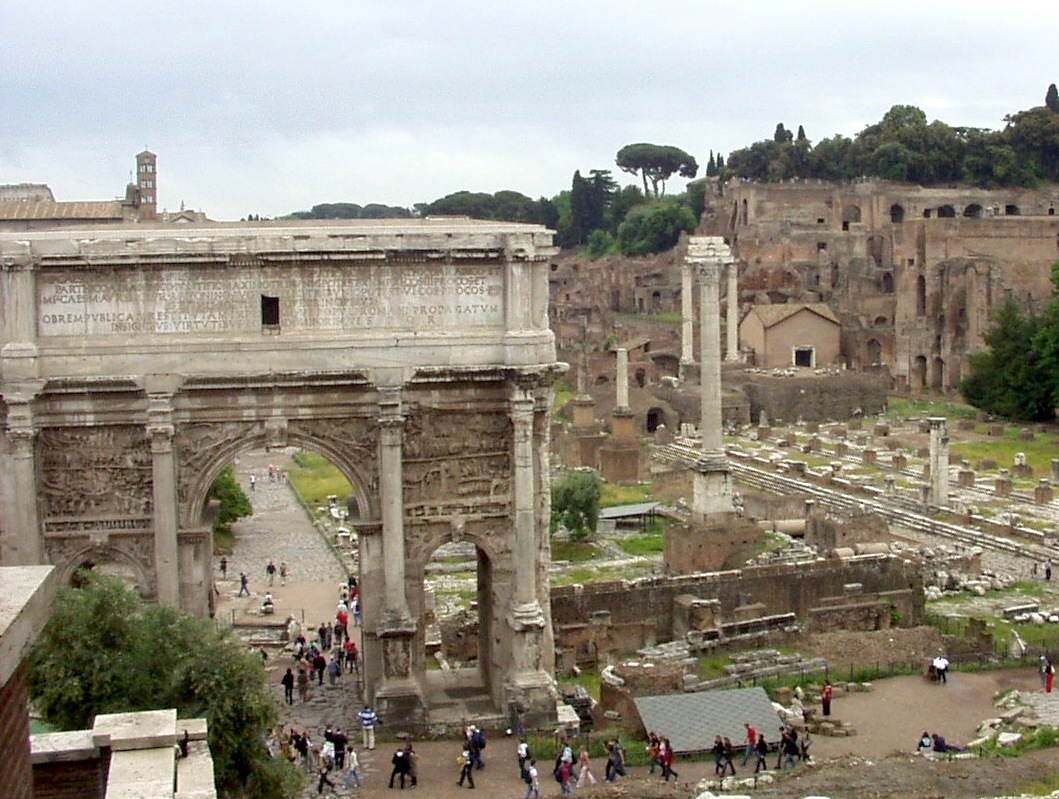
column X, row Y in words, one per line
column 902, row 408
column 315, row 478
column 712, row 666
column 574, row 551
column 643, row 546
column 596, row 574
column 1039, row 451
column 589, row 680
column 612, row 495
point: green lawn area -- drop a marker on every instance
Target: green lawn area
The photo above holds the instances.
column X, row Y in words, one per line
column 611, row 495
column 643, row 546
column 902, row 408
column 574, row 551
column 563, row 394
column 315, row 478
column 1039, row 452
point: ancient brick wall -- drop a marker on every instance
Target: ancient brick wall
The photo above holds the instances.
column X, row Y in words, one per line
column 82, row 779
column 646, row 607
column 15, row 771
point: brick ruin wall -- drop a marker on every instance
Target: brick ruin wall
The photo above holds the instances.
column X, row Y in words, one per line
column 619, row 617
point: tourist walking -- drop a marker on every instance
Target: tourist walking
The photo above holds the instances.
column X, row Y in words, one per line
column 762, row 749
column 825, row 697
column 368, row 719
column 1049, row 675
column 751, row 741
column 666, row 751
column 325, row 769
column 533, row 781
column 466, row 769
column 1042, row 670
column 287, row 681
column 729, row 756
column 352, row 768
column 244, row 584
column 413, row 763
column 585, row 774
column 400, row 766
column 522, row 752
column 270, row 573
column 303, row 684
column 654, row 750
column 334, row 670
column 941, row 669
column 224, row 567
column 615, row 760
column 283, row 573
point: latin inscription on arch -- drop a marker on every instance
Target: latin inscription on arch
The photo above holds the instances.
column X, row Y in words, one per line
column 187, row 300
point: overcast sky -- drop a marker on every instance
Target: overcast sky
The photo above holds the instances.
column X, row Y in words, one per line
column 269, row 107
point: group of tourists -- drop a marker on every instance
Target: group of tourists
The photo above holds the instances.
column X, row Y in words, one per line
column 660, row 750
column 336, row 754
column 932, row 742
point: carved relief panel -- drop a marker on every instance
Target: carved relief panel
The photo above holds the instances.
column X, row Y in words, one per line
column 98, row 472
column 196, row 447
column 457, row 464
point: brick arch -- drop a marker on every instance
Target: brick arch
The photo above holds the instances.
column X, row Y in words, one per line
column 89, row 552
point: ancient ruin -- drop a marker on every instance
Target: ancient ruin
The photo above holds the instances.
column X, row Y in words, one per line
column 416, row 356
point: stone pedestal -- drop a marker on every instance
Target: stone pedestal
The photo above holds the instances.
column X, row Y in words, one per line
column 1022, row 471
column 812, row 427
column 764, row 433
column 841, row 449
column 965, row 478
column 1002, row 484
column 867, row 457
column 899, row 462
column 619, row 463
column 712, row 486
column 623, row 425
column 881, row 430
column 583, row 410
column 814, row 444
column 1043, row 494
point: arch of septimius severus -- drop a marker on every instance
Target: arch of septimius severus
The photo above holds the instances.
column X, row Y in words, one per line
column 416, row 356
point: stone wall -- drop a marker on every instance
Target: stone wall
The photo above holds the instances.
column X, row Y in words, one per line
column 81, row 779
column 697, row 548
column 626, row 616
column 812, row 398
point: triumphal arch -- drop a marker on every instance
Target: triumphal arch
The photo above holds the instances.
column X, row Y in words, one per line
column 416, row 356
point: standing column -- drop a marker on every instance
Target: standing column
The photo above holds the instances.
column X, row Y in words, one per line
column 164, row 496
column 709, row 273
column 622, row 377
column 21, row 541
column 526, row 609
column 712, row 480
column 687, row 322
column 391, row 490
column 939, row 461
column 733, row 312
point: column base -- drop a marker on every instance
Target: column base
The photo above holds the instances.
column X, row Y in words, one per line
column 688, row 371
column 712, row 485
column 533, row 696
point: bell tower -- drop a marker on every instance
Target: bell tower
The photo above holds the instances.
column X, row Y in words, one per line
column 147, row 184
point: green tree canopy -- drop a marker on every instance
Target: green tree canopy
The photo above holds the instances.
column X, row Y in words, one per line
column 1009, row 378
column 575, row 502
column 106, row 651
column 656, row 163
column 654, row 227
column 234, row 503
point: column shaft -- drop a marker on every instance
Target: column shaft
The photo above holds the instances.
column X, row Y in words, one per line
column 733, row 312
column 164, row 500
column 525, row 528
column 391, row 489
column 687, row 324
column 622, row 378
column 710, row 359
column 22, row 546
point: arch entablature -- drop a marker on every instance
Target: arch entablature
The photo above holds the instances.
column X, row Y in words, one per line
column 87, row 552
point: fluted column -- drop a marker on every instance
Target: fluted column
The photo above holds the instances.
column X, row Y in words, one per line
column 712, row 480
column 939, row 461
column 164, row 501
column 687, row 323
column 709, row 276
column 21, row 542
column 526, row 610
column 622, row 378
column 733, row 312
column 391, row 491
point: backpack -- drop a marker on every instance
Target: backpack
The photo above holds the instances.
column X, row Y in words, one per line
column 558, row 775
column 526, row 778
column 478, row 739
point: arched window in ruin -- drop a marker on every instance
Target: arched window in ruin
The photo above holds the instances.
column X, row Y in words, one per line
column 897, row 214
column 641, row 377
column 874, row 351
column 888, row 283
column 973, row 211
column 946, row 212
column 656, row 300
column 919, row 374
column 639, row 304
column 655, row 418
column 602, row 380
column 927, row 213
column 937, row 374
column 851, row 213
column 881, row 321
column 1011, row 210
column 921, row 296
column 746, row 215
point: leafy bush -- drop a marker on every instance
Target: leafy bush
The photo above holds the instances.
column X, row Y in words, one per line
column 655, row 227
column 575, row 503
column 106, row 651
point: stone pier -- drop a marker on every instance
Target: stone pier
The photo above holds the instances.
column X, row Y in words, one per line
column 619, row 458
column 687, row 322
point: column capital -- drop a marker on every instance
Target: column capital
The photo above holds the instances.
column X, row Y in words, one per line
column 161, row 437
column 708, row 273
column 526, row 616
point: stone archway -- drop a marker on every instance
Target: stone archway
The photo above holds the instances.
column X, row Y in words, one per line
column 415, row 355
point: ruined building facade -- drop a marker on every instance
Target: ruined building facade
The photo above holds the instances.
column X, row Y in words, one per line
column 914, row 274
